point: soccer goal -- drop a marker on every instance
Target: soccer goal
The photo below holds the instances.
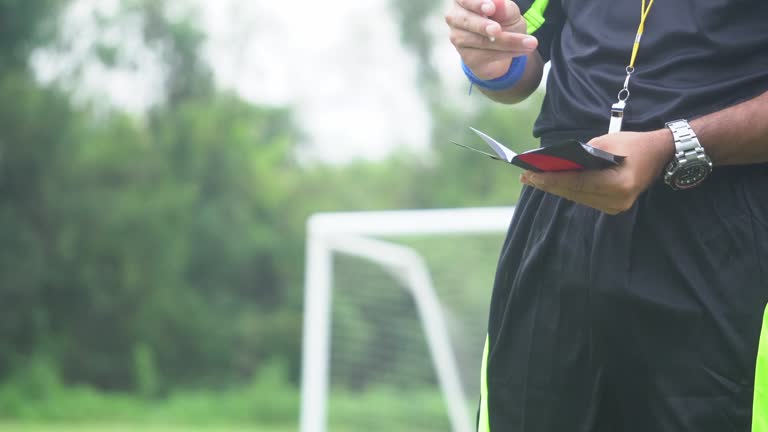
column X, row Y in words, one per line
column 395, row 313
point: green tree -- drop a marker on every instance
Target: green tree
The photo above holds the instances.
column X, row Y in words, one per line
column 24, row 26
column 413, row 17
column 164, row 251
column 137, row 253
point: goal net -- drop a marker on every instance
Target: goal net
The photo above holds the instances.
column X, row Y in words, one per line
column 395, row 318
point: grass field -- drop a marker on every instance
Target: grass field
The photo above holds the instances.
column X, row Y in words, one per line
column 268, row 404
column 25, row 427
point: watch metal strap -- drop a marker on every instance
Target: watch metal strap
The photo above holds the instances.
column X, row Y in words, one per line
column 687, row 145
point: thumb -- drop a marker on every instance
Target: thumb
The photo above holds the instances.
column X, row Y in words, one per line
column 507, row 13
column 501, row 10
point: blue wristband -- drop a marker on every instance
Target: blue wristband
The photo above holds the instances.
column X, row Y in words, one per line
column 513, row 75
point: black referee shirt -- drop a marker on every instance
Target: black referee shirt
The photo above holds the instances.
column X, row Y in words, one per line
column 696, row 57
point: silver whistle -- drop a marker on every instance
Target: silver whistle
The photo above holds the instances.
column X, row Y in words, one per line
column 617, row 116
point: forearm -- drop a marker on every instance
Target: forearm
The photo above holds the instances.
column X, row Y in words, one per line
column 737, row 135
column 525, row 87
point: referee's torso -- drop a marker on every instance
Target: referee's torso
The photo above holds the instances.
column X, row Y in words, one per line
column 696, row 57
column 649, row 320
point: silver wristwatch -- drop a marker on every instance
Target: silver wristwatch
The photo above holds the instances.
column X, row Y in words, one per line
column 691, row 165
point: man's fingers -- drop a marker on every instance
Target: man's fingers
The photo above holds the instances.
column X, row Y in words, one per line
column 515, row 43
column 481, row 42
column 500, row 9
column 595, row 201
column 462, row 19
column 481, row 7
column 602, row 190
column 509, row 15
column 599, row 182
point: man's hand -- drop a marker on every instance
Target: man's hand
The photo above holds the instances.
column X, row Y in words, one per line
column 488, row 34
column 613, row 190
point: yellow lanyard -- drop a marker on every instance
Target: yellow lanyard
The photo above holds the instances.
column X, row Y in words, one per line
column 617, row 110
column 643, row 15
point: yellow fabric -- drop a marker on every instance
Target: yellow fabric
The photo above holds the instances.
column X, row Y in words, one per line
column 643, row 15
column 534, row 17
column 760, row 401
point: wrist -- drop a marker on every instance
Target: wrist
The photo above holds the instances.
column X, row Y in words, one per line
column 506, row 81
column 661, row 144
column 664, row 143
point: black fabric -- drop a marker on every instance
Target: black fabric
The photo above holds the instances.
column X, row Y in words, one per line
column 696, row 56
column 553, row 22
column 646, row 321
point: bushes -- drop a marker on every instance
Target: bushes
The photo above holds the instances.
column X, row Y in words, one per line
column 35, row 394
column 269, row 402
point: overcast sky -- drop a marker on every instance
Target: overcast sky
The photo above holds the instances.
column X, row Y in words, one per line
column 340, row 64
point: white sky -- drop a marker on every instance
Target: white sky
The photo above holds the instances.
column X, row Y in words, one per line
column 340, row 65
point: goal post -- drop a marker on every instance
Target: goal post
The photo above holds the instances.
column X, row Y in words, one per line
column 363, row 235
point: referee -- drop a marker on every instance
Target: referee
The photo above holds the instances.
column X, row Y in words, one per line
column 631, row 299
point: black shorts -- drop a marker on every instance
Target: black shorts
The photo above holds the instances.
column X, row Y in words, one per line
column 647, row 321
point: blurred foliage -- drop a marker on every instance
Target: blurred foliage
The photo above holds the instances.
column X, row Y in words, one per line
column 268, row 400
column 165, row 253
column 25, row 25
column 35, row 395
column 127, row 242
column 413, row 17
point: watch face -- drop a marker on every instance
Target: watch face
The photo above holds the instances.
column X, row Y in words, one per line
column 691, row 175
